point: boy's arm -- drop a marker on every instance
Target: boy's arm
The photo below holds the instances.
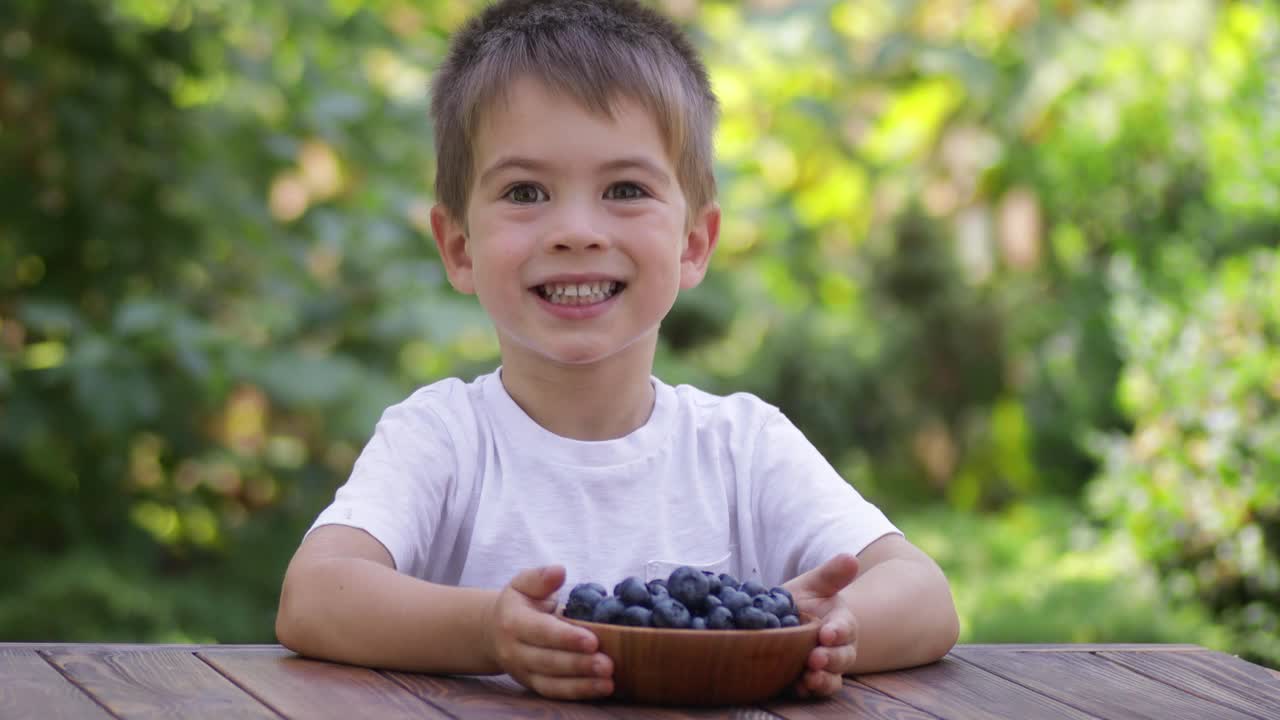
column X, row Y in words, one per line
column 903, row 607
column 897, row 613
column 343, row 600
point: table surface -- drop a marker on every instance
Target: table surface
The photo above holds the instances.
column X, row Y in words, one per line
column 1168, row 682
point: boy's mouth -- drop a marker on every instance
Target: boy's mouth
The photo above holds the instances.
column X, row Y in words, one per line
column 587, row 293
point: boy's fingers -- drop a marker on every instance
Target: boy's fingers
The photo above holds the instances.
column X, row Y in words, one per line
column 549, row 631
column 538, row 583
column 569, row 688
column 837, row 660
column 558, row 663
column 839, row 628
column 821, row 683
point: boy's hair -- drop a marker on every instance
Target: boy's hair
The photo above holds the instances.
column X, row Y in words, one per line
column 595, row 51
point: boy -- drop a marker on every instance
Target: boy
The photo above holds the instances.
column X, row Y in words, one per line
column 576, row 199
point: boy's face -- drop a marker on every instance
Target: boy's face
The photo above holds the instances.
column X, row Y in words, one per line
column 575, row 237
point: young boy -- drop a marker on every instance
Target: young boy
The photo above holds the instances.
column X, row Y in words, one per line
column 576, row 199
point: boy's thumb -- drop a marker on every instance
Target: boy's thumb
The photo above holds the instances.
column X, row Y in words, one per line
column 832, row 576
column 540, row 582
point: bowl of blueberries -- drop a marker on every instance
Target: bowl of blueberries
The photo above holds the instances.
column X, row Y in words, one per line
column 696, row 638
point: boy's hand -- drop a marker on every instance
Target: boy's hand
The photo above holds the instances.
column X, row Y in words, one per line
column 817, row 592
column 538, row 649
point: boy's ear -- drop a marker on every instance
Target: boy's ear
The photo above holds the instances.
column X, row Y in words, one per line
column 704, row 233
column 455, row 251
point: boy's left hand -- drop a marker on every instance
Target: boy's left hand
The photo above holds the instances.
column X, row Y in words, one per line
column 817, row 592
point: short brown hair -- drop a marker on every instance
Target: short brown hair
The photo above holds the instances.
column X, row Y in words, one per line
column 593, row 50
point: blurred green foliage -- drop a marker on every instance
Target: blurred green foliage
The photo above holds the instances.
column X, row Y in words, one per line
column 982, row 251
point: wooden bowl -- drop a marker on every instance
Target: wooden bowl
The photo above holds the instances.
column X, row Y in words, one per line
column 704, row 667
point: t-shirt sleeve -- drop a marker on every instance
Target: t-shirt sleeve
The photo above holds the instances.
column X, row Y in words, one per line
column 399, row 484
column 805, row 512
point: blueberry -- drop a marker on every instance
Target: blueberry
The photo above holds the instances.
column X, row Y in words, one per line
column 689, row 586
column 658, row 592
column 786, row 604
column 720, row 618
column 711, row 603
column 789, row 621
column 698, row 623
column 779, row 590
column 772, row 620
column 714, row 581
column 750, row 587
column 728, row 580
column 765, row 603
column 637, row 616
column 653, row 585
column 735, row 600
column 669, row 613
column 583, row 600
column 609, row 611
column 751, row 618
column 632, row 591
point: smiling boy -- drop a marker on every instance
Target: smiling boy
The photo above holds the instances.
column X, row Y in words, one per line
column 576, row 199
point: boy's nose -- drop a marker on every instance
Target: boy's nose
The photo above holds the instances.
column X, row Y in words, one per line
column 577, row 229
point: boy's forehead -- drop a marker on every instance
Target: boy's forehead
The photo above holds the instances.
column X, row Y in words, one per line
column 528, row 117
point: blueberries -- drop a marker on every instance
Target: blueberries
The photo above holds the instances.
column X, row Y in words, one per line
column 689, row 586
column 735, row 600
column 689, row 598
column 633, row 591
column 720, row 618
column 583, row 600
column 765, row 603
column 714, row 582
column 637, row 616
column 751, row 618
column 669, row 613
column 609, row 611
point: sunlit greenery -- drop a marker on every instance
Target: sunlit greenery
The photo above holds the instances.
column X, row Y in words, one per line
column 1011, row 264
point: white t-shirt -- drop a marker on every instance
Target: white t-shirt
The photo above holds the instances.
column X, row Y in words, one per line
column 463, row 488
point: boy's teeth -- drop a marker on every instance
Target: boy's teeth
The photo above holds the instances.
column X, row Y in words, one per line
column 579, row 293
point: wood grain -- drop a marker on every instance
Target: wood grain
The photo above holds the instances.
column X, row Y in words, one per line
column 492, row 697
column 502, row 697
column 951, row 688
column 1099, row 687
column 297, row 687
column 155, row 684
column 1082, row 647
column 30, row 687
column 1215, row 676
column 854, row 700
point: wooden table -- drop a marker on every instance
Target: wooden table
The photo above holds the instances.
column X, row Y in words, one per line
column 1167, row 682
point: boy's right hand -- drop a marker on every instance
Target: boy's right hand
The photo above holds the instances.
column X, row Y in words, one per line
column 542, row 652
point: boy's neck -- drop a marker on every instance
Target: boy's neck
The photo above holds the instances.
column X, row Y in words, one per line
column 604, row 401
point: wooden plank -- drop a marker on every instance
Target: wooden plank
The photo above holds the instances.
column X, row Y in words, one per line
column 1212, row 675
column 155, row 684
column 119, row 647
column 492, row 697
column 502, row 697
column 31, row 687
column 297, row 687
column 1084, row 647
column 951, row 688
column 854, row 700
column 1098, row 686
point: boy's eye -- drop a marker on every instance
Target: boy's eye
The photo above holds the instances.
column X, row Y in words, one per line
column 525, row 194
column 625, row 191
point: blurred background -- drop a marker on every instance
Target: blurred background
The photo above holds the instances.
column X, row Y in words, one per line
column 1011, row 264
